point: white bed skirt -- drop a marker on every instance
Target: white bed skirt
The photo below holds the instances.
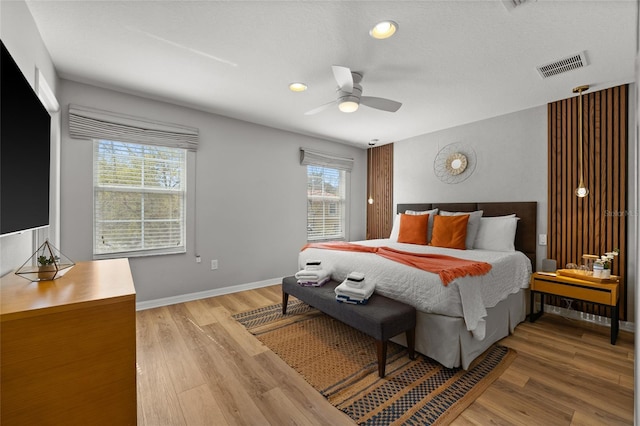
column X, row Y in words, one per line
column 446, row 340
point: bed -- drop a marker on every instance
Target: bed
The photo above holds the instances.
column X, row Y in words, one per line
column 459, row 321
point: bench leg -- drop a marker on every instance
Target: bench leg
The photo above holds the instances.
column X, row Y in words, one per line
column 382, row 356
column 411, row 342
column 285, row 300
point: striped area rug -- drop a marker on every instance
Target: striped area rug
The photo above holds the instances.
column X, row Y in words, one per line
column 340, row 362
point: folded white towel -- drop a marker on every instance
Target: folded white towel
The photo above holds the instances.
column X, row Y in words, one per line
column 312, row 275
column 355, row 276
column 363, row 293
column 313, row 265
column 346, row 299
column 312, row 268
column 314, row 283
column 355, row 280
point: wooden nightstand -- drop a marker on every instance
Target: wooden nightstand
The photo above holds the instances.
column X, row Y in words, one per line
column 602, row 293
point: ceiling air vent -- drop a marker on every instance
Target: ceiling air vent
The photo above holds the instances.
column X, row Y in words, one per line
column 512, row 4
column 570, row 63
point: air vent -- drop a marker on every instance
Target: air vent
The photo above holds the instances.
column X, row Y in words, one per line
column 570, row 63
column 512, row 4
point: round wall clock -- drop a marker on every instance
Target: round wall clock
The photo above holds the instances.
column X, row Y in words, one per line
column 454, row 163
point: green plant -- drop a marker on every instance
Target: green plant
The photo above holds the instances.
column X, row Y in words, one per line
column 46, row 260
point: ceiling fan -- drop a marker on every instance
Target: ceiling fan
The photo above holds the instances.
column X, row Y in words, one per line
column 350, row 94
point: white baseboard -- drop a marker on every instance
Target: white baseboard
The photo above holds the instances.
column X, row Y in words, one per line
column 583, row 316
column 156, row 303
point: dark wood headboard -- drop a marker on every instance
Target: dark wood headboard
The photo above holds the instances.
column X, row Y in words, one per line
column 527, row 211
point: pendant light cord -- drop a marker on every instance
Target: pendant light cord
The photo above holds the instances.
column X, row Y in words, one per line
column 370, row 174
column 369, row 168
column 580, row 138
column 582, row 190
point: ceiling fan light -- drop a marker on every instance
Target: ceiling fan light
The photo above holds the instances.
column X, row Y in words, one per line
column 383, row 29
column 297, row 87
column 348, row 106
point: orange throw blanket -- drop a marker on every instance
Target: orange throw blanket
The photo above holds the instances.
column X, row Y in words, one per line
column 447, row 267
column 342, row 246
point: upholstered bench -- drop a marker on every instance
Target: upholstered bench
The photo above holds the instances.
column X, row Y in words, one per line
column 381, row 318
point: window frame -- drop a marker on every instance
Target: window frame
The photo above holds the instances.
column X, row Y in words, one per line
column 346, row 183
column 141, row 190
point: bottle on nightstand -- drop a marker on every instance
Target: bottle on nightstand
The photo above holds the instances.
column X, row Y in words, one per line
column 598, row 269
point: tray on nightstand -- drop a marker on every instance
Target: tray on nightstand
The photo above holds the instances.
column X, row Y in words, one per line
column 584, row 275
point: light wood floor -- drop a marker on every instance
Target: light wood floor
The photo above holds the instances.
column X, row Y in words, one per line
column 197, row 366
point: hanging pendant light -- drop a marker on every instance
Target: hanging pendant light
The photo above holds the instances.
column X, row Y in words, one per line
column 581, row 191
column 369, row 171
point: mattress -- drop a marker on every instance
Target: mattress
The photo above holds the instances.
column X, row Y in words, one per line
column 467, row 297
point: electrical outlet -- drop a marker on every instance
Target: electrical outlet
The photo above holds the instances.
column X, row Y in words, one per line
column 542, row 239
column 198, row 259
column 214, row 264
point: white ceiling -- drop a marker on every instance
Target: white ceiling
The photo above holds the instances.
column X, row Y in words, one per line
column 450, row 63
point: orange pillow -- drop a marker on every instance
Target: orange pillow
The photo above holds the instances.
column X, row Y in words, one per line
column 413, row 229
column 450, row 231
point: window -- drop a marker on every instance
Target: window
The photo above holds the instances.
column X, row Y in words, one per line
column 326, row 203
column 139, row 199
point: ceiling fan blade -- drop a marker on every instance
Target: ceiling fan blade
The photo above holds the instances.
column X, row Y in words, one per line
column 380, row 103
column 343, row 78
column 320, row 108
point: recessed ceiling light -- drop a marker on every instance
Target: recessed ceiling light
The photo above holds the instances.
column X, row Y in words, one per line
column 297, row 87
column 383, row 29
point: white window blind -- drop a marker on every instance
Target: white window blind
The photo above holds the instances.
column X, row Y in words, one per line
column 91, row 123
column 317, row 158
column 139, row 199
column 326, row 203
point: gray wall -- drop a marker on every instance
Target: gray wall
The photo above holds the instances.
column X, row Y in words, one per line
column 511, row 153
column 248, row 204
column 19, row 33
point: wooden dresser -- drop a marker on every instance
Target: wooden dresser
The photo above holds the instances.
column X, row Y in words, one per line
column 68, row 347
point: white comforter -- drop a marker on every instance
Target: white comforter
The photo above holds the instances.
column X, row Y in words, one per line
column 466, row 297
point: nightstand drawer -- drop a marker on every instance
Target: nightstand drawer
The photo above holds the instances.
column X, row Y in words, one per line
column 602, row 296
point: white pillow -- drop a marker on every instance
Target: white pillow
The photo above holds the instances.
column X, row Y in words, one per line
column 472, row 226
column 395, row 230
column 497, row 233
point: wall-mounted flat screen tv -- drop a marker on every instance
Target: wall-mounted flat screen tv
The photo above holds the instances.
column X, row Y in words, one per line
column 25, row 138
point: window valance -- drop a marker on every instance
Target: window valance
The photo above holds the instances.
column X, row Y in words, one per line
column 316, row 158
column 91, row 123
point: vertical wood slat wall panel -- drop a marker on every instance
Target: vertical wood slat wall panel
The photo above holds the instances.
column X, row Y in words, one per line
column 597, row 223
column 380, row 187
